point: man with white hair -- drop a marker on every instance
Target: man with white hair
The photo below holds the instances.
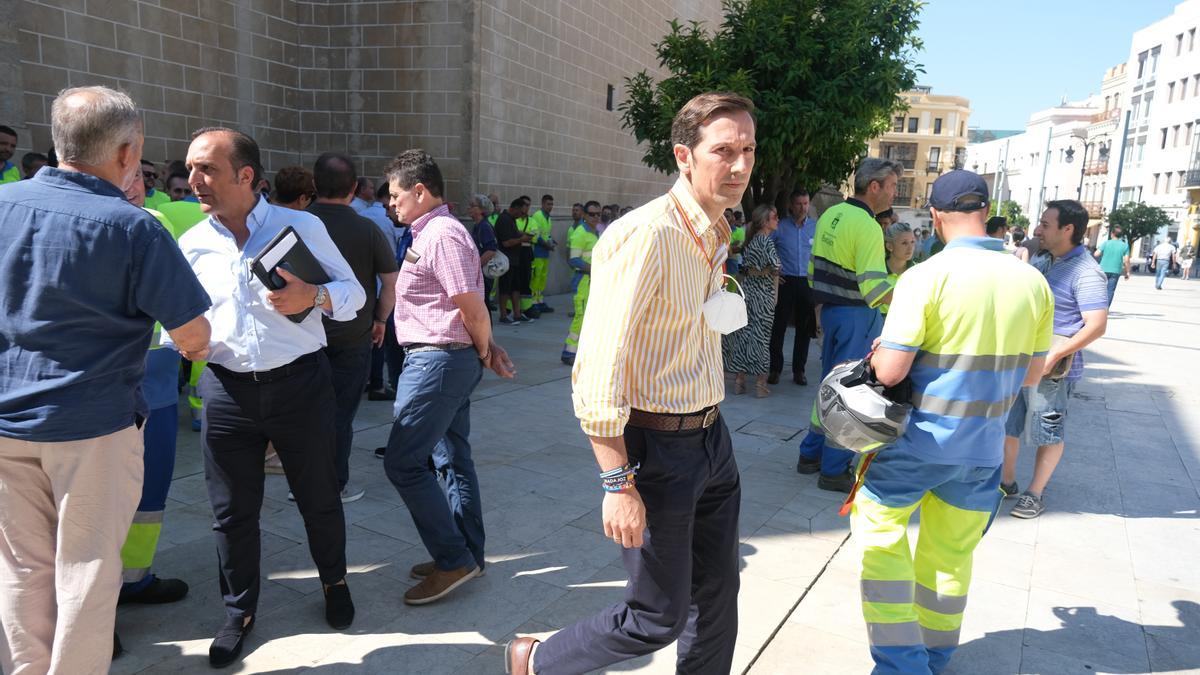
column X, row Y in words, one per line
column 93, row 274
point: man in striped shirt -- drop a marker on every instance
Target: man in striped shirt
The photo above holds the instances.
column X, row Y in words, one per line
column 848, row 272
column 1080, row 318
column 647, row 382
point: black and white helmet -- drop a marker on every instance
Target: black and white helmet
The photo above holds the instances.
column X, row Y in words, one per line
column 853, row 411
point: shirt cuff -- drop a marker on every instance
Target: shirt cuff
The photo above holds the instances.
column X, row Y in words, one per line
column 346, row 298
column 608, row 428
column 898, row 346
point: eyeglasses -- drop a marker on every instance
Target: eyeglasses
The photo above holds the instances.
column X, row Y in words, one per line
column 149, row 174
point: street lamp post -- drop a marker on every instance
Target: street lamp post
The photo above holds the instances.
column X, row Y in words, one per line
column 1083, row 163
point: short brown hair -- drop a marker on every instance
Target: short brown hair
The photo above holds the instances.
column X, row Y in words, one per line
column 292, row 183
column 685, row 128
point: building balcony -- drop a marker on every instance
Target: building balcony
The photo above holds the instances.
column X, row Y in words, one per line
column 1095, row 167
column 1192, row 178
column 933, row 167
column 1095, row 209
column 902, row 199
column 1107, row 115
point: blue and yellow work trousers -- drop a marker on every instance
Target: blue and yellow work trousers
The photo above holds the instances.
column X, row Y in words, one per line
column 914, row 605
column 848, row 332
column 195, row 403
column 582, row 284
column 137, row 555
column 538, row 276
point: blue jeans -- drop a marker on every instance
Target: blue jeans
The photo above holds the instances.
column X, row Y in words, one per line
column 1040, row 412
column 849, row 332
column 1161, row 268
column 1112, row 285
column 433, row 420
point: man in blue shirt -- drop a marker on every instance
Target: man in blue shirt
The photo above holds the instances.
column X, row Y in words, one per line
column 84, row 275
column 793, row 240
column 1080, row 318
column 267, row 379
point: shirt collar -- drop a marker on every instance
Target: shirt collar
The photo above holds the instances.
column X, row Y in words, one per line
column 862, row 205
column 683, row 193
column 77, row 180
column 1078, row 250
column 419, row 223
column 979, row 242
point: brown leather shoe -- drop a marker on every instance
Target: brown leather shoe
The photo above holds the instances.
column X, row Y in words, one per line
column 517, row 656
column 439, row 584
column 422, row 570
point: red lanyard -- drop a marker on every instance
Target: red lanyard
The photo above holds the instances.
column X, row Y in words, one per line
column 692, row 231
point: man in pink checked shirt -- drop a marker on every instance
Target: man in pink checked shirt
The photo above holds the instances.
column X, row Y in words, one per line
column 446, row 332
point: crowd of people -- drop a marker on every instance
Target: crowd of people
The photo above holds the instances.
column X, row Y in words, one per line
column 275, row 308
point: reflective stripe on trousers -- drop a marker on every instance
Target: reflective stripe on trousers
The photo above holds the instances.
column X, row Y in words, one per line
column 914, row 607
column 583, row 285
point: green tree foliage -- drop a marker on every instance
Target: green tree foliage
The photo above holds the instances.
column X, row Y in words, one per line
column 823, row 74
column 1137, row 220
column 1012, row 212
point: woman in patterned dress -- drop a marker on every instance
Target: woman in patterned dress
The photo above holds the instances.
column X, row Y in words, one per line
column 746, row 351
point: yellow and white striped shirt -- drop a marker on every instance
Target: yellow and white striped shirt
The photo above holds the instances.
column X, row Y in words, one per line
column 645, row 343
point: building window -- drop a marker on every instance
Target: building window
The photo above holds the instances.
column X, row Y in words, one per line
column 935, row 156
column 1154, row 190
column 1107, row 103
column 1187, row 136
column 898, row 124
column 608, row 105
column 962, row 128
column 1137, row 109
column 1178, row 44
column 1142, row 64
column 1183, row 89
column 1149, row 98
column 1167, row 183
column 1191, row 39
column 912, row 125
column 1196, row 88
column 937, row 125
column 1154, row 61
column 1170, row 92
column 1163, row 143
column 1117, row 101
column 1175, row 136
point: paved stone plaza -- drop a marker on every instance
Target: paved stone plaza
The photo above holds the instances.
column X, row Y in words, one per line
column 1107, row 581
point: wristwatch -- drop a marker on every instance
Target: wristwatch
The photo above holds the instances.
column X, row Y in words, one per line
column 322, row 296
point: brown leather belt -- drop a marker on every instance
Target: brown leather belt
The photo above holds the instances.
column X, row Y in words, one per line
column 671, row 422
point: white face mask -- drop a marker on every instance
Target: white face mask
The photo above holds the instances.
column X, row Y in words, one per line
column 725, row 312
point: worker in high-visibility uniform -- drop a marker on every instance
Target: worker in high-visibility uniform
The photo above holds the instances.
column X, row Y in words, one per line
column 969, row 327
column 9, row 172
column 543, row 244
column 154, row 197
column 582, row 242
column 184, row 215
column 160, row 386
column 848, row 273
column 525, row 263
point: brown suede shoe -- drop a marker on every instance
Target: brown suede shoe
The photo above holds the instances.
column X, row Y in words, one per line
column 517, row 656
column 422, row 570
column 439, row 584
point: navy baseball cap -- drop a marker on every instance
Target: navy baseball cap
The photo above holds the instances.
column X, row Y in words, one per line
column 959, row 190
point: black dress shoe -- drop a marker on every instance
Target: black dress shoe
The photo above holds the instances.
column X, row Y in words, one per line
column 773, row 378
column 339, row 608
column 808, row 466
column 160, row 591
column 800, row 379
column 226, row 647
column 842, row 482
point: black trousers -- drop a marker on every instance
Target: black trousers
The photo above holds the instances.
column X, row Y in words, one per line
column 350, row 366
column 683, row 581
column 294, row 411
column 794, row 304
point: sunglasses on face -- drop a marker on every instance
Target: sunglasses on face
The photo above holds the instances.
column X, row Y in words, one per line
column 149, row 174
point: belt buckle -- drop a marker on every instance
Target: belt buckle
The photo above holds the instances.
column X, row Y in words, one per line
column 710, row 416
column 254, row 376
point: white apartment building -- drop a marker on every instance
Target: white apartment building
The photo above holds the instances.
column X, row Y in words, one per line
column 1077, row 150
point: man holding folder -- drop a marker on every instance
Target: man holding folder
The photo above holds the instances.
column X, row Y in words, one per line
column 267, row 380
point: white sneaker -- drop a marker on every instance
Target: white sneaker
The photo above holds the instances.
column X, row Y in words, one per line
column 352, row 493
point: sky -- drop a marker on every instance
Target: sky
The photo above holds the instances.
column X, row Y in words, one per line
column 1014, row 58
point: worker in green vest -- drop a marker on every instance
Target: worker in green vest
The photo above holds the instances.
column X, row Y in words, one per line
column 183, row 215
column 154, row 197
column 8, row 146
column 543, row 243
column 160, row 386
column 581, row 245
column 525, row 275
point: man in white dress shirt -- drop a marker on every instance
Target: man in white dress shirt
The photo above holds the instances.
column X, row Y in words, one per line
column 267, row 379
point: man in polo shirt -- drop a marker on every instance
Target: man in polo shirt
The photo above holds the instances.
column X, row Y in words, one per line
column 794, row 242
column 1114, row 259
column 447, row 334
column 1163, row 256
column 79, row 305
column 968, row 326
column 1080, row 318
column 848, row 273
